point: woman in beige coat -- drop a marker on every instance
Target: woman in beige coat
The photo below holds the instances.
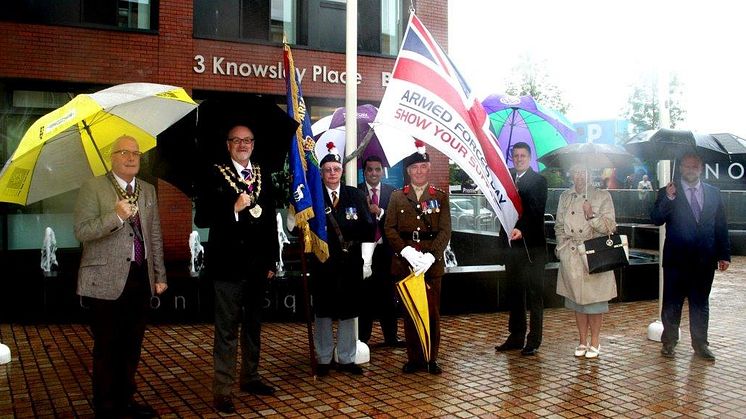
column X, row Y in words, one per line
column 584, row 212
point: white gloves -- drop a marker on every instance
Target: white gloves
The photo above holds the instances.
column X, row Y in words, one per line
column 367, row 250
column 412, row 256
column 426, row 261
column 419, row 261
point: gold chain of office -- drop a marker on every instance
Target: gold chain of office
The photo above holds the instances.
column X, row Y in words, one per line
column 251, row 187
column 131, row 198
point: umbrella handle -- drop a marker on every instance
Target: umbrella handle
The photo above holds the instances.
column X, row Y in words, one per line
column 361, row 147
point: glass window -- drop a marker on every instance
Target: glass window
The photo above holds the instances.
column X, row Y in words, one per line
column 134, row 14
column 283, row 21
column 216, row 18
column 128, row 14
column 392, row 26
column 261, row 20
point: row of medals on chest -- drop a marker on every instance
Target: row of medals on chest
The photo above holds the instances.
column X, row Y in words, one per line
column 251, row 186
column 426, row 207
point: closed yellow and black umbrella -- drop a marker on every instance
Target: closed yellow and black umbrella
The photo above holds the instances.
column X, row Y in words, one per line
column 414, row 296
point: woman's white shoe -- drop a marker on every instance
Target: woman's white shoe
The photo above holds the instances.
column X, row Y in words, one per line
column 593, row 352
column 580, row 350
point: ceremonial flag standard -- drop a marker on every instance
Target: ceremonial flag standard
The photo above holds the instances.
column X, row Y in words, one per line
column 307, row 193
column 428, row 99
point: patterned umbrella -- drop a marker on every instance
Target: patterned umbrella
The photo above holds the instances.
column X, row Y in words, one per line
column 521, row 118
column 332, row 128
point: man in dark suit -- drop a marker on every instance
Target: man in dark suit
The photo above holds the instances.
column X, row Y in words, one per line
column 380, row 286
column 117, row 220
column 696, row 244
column 241, row 255
column 336, row 282
column 418, row 226
column 526, row 257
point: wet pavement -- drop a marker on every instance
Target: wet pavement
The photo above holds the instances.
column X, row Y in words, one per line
column 49, row 375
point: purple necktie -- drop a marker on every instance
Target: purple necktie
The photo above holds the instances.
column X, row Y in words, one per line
column 246, row 173
column 696, row 208
column 374, row 200
column 137, row 227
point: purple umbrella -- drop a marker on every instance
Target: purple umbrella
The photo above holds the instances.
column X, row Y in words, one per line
column 332, row 128
column 521, row 118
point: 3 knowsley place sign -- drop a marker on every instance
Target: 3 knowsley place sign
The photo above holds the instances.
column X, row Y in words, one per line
column 221, row 66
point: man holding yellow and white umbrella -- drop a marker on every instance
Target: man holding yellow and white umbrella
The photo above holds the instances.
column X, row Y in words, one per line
column 73, row 143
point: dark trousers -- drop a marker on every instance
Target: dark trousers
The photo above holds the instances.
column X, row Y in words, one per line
column 414, row 348
column 237, row 304
column 525, row 289
column 694, row 283
column 379, row 299
column 118, row 328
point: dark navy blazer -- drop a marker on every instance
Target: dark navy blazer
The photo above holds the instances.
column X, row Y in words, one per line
column 689, row 243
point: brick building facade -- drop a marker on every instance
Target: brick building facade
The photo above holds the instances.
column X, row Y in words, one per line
column 56, row 57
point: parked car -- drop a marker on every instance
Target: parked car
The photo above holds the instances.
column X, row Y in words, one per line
column 462, row 214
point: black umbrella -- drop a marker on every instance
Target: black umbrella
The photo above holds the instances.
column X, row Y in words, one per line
column 734, row 145
column 669, row 144
column 188, row 149
column 590, row 155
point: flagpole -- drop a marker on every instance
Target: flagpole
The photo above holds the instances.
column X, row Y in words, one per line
column 362, row 352
column 307, row 311
column 351, row 92
column 655, row 329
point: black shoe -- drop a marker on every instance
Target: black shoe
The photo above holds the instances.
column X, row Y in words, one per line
column 529, row 351
column 351, row 368
column 704, row 353
column 668, row 350
column 322, row 370
column 223, row 404
column 139, row 410
column 258, row 387
column 434, row 368
column 412, row 367
column 395, row 343
column 106, row 412
column 509, row 345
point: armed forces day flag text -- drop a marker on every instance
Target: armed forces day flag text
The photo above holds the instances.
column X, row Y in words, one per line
column 428, row 99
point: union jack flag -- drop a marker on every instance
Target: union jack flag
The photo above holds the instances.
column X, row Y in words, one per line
column 429, row 99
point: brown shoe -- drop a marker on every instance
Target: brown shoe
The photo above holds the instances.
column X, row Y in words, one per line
column 223, row 404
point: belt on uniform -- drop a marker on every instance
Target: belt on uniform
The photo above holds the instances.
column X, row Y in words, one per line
column 417, row 235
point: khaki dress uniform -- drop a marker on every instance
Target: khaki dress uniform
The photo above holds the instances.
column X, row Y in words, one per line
column 424, row 224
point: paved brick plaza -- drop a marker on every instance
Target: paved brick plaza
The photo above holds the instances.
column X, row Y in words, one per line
column 50, row 372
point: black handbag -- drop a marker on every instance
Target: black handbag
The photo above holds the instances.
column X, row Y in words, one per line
column 605, row 253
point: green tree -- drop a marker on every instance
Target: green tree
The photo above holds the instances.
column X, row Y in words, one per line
column 530, row 78
column 642, row 109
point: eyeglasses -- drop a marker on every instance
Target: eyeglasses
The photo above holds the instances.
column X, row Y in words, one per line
column 239, row 140
column 127, row 154
column 332, row 170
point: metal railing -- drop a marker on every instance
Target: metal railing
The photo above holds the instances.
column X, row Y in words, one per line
column 471, row 212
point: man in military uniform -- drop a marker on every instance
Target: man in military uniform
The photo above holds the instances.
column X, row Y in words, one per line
column 418, row 227
column 336, row 283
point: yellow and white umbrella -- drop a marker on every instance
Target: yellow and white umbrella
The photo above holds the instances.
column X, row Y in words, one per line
column 73, row 143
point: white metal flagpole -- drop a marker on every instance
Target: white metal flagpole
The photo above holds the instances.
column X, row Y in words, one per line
column 362, row 354
column 655, row 329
